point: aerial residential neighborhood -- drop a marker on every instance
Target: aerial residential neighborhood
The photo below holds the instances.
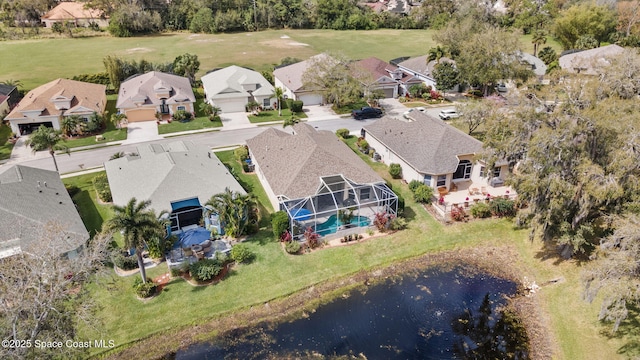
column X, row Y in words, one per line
column 393, row 179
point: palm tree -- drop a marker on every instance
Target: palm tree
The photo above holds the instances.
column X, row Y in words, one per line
column 436, row 53
column 47, row 139
column 234, row 209
column 69, row 124
column 538, row 38
column 136, row 223
column 11, row 82
column 278, row 92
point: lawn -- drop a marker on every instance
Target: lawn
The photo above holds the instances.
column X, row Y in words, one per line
column 92, row 212
column 272, row 115
column 36, row 62
column 201, row 121
column 110, row 133
column 5, row 146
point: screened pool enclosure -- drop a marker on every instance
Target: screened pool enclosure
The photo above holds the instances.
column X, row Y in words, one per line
column 339, row 204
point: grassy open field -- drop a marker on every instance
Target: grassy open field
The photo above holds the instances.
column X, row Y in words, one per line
column 35, row 62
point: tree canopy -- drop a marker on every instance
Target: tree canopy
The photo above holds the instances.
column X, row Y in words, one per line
column 599, row 22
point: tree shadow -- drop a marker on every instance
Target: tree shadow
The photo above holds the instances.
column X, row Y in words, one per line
column 88, row 212
column 559, row 254
column 409, row 213
column 628, row 332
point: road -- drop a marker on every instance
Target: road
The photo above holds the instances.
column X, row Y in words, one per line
column 80, row 160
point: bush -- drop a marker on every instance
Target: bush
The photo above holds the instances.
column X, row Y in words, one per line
column 363, row 144
column 240, row 253
column 312, row 238
column 381, row 220
column 181, row 115
column 144, row 290
column 400, row 203
column 423, row 194
column 158, row 246
column 241, row 153
column 101, row 185
column 480, row 210
column 458, row 214
column 292, row 247
column 398, row 223
column 296, row 106
column 124, row 262
column 205, row 270
column 343, row 133
column 502, row 207
column 279, row 223
column 395, row 170
column 414, row 184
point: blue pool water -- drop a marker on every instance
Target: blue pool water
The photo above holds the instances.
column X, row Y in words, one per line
column 331, row 225
column 192, row 237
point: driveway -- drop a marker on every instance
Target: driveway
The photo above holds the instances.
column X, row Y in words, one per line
column 233, row 121
column 319, row 112
column 142, row 131
column 392, row 106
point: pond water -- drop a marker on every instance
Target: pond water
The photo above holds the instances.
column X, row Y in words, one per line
column 431, row 314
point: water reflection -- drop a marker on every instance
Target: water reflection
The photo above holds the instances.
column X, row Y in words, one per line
column 425, row 315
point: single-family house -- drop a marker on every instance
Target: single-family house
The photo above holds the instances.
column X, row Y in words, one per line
column 588, row 61
column 75, row 13
column 538, row 66
column 142, row 97
column 30, row 200
column 379, row 75
column 290, row 79
column 9, row 98
column 178, row 177
column 233, row 87
column 432, row 152
column 422, row 69
column 317, row 179
column 48, row 103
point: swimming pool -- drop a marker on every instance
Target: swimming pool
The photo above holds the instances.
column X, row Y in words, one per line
column 331, row 225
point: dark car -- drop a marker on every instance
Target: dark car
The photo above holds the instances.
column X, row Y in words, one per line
column 366, row 113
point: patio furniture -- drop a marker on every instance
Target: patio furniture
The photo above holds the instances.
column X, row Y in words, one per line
column 442, row 191
column 496, row 182
column 474, row 191
column 187, row 251
column 200, row 255
column 196, row 248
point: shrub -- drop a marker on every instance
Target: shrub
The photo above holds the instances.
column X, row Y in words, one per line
column 312, row 238
column 240, row 253
column 480, row 210
column 381, row 220
column 398, row 223
column 458, row 214
column 124, row 262
column 181, row 115
column 414, row 184
column 144, row 290
column 502, row 207
column 292, row 247
column 205, row 270
column 363, row 144
column 296, row 106
column 400, row 203
column 343, row 133
column 158, row 245
column 279, row 223
column 101, row 185
column 175, row 272
column 423, row 194
column 395, row 170
column 241, row 153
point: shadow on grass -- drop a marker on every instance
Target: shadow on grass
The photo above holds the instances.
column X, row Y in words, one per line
column 629, row 332
column 558, row 253
column 88, row 212
column 409, row 214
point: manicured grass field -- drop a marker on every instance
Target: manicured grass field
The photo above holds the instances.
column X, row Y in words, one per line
column 5, row 146
column 36, row 62
column 272, row 115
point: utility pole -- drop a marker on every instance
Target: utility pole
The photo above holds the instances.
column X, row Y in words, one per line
column 255, row 15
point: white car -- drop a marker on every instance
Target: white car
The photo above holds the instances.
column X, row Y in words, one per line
column 407, row 113
column 448, row 114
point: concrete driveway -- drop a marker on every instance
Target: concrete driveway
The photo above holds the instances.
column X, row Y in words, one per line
column 232, row 121
column 142, row 131
column 319, row 112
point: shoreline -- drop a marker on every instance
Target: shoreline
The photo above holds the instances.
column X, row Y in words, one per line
column 496, row 261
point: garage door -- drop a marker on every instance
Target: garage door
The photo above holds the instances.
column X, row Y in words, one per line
column 137, row 115
column 311, row 99
column 388, row 93
column 231, row 106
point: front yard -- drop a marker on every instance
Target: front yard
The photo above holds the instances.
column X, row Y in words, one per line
column 201, row 121
column 272, row 115
column 110, row 133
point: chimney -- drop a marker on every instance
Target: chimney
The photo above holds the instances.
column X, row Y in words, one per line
column 45, row 184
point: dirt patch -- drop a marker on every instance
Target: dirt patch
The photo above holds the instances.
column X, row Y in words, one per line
column 138, row 50
column 497, row 261
column 283, row 43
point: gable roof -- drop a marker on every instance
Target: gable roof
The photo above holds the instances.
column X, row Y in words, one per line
column 291, row 75
column 81, row 94
column 429, row 145
column 231, row 81
column 538, row 66
column 293, row 164
column 420, row 66
column 164, row 173
column 29, row 199
column 71, row 11
column 143, row 88
column 586, row 61
column 6, row 89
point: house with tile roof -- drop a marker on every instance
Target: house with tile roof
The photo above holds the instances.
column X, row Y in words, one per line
column 588, row 61
column 48, row 103
column 75, row 13
column 290, row 79
column 233, row 87
column 432, row 152
column 379, row 75
column 178, row 177
column 142, row 97
column 30, row 200
column 313, row 176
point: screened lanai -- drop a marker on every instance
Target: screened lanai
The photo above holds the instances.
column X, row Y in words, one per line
column 337, row 205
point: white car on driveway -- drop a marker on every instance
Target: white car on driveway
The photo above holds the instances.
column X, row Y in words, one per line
column 448, row 114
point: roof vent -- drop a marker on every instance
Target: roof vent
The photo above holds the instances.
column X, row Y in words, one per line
column 45, row 184
column 60, row 202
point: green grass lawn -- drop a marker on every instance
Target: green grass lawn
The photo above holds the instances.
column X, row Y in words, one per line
column 110, row 133
column 92, row 212
column 5, row 146
column 272, row 115
column 201, row 121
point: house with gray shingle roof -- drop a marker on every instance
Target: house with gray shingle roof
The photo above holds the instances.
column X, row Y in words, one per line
column 313, row 175
column 233, row 87
column 140, row 98
column 30, row 200
column 588, row 61
column 290, row 79
column 9, row 97
column 430, row 151
column 178, row 177
column 422, row 69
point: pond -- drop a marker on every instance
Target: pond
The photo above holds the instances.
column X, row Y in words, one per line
column 431, row 314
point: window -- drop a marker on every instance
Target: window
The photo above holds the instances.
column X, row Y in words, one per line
column 266, row 103
column 427, row 180
column 496, row 172
column 482, row 171
column 464, row 170
column 442, row 180
column 365, row 193
column 181, row 108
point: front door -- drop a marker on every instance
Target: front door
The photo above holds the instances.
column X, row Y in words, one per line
column 164, row 108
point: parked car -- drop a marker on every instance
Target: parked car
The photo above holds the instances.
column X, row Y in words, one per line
column 501, row 88
column 366, row 113
column 448, row 114
column 407, row 113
